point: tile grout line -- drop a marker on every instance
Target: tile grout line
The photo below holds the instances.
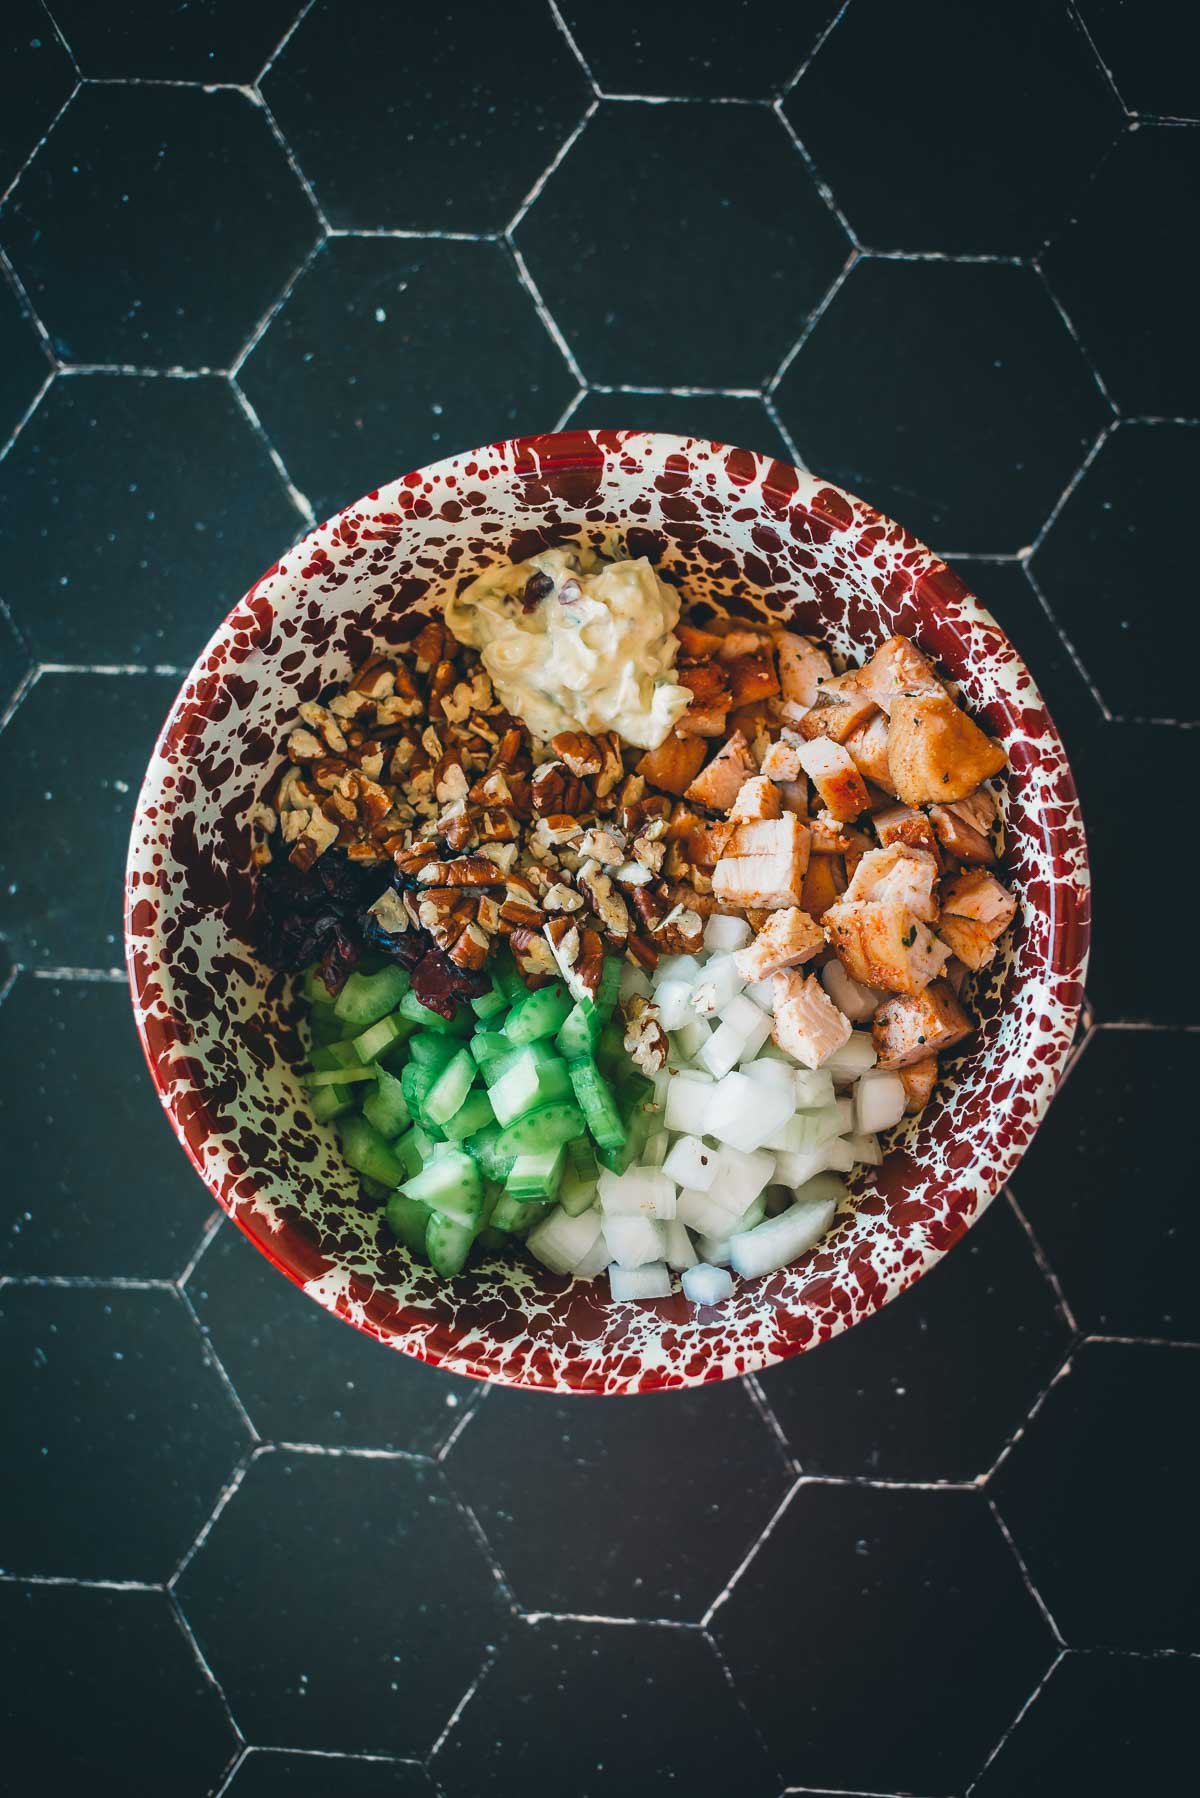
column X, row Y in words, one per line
column 470, row 1410
column 28, row 413
column 536, row 1619
column 568, row 143
column 752, row 1386
column 807, row 63
column 299, row 500
column 1026, row 1576
column 28, row 309
column 573, row 47
column 1015, row 1722
column 822, row 186
column 227, row 1491
column 230, row 1771
column 209, row 1351
column 773, row 413
column 207, row 1236
column 771, row 387
column 1081, row 25
column 747, row 1714
column 8, row 192
column 1088, row 359
column 293, row 162
column 1061, row 1373
column 96, row 976
column 764, row 1536
column 10, row 1578
column 489, row 1661
column 61, row 36
column 295, row 25
column 1056, row 627
column 543, row 312
column 1043, row 1262
column 189, row 1636
column 273, row 310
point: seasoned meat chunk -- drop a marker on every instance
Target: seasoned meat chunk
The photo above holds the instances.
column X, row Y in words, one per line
column 788, row 938
column 913, row 1026
column 718, row 785
column 976, row 911
column 867, row 747
column 882, row 943
column 896, row 667
column 831, row 769
column 674, row 765
column 936, row 752
column 802, row 667
column 759, row 798
column 919, row 1079
column 898, row 872
column 764, row 864
column 807, row 1024
column 838, row 710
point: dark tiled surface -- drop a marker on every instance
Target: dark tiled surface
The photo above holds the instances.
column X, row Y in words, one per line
column 301, row 1375
column 267, row 1774
column 445, row 129
column 24, row 364
column 1131, row 42
column 1101, row 1496
column 38, row 77
column 1123, row 271
column 119, row 1432
column 971, row 433
column 68, row 818
column 636, row 1710
column 881, row 1635
column 731, row 243
column 746, row 51
column 1114, row 586
column 141, row 510
column 369, row 1610
column 75, row 1078
column 1104, row 1724
column 830, row 1610
column 103, row 1694
column 931, row 93
column 121, row 264
column 1120, row 1281
column 704, row 1466
column 391, row 353
column 915, row 1393
column 199, row 40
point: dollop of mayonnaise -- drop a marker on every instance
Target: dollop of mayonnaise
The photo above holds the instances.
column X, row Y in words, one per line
column 596, row 651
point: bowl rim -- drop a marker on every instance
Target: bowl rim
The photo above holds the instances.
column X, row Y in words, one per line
column 562, row 452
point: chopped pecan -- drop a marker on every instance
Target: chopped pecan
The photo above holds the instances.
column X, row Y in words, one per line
column 463, row 871
column 579, row 954
column 556, row 789
column 645, row 1039
column 495, row 825
column 642, row 951
column 415, row 855
column 555, row 828
column 607, row 904
column 471, row 949
column 456, row 828
column 429, row 644
column 580, row 752
column 613, row 768
column 561, row 897
column 533, row 956
column 493, row 789
column 376, row 678
column 319, row 718
column 508, row 750
column 603, row 846
column 304, row 746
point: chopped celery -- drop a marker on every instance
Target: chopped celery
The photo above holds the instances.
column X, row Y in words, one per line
column 369, row 1152
column 536, row 1176
column 536, row 1015
column 408, row 1220
column 451, row 1087
column 475, row 1113
column 367, row 997
column 451, row 1185
column 543, row 1128
column 387, row 1107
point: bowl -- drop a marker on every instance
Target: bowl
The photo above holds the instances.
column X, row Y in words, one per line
column 758, row 538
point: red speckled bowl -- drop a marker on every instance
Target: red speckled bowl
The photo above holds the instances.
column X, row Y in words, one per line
column 758, row 537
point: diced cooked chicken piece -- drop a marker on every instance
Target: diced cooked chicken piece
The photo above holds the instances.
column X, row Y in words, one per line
column 831, row 769
column 896, row 667
column 824, row 883
column 964, row 828
column 744, row 640
column 718, row 785
column 936, row 753
column 918, row 1081
column 898, row 872
column 674, row 765
column 901, row 824
column 702, row 721
column 759, row 798
column 793, row 795
column 782, row 761
column 882, row 943
column 976, row 911
column 808, row 1025
column 764, row 864
column 957, row 974
column 700, row 645
column 788, row 938
column 838, row 710
column 704, row 844
column 829, row 836
column 913, row 1026
column 867, row 747
column 752, row 678
column 802, row 666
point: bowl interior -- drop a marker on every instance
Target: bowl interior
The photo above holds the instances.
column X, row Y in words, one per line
column 751, row 536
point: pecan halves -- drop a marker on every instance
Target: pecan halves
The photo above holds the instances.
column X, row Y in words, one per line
column 556, row 790
column 463, row 871
column 582, row 755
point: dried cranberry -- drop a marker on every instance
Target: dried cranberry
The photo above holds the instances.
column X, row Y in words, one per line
column 438, row 983
column 341, row 957
column 536, row 589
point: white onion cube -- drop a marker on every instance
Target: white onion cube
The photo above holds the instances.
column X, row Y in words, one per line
column 560, row 1241
column 634, row 983
column 651, row 1281
column 763, row 994
column 839, row 1155
column 715, row 1249
column 855, row 1056
column 594, row 1262
column 674, row 1001
column 865, row 1150
column 723, row 935
column 719, row 982
column 677, row 967
column 633, row 1241
column 692, row 1036
column 744, row 1113
column 879, row 1101
column 814, row 1088
column 691, row 1162
column 769, row 1072
column 778, row 1241
column 638, row 1192
column 680, row 1253
column 707, row 1285
column 740, row 1179
column 721, row 1052
column 856, row 1002
column 689, row 1102
column 700, row 1211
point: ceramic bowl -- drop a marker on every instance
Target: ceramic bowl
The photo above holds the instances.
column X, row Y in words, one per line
column 219, row 1030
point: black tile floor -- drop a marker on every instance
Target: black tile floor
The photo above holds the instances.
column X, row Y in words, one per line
column 255, row 259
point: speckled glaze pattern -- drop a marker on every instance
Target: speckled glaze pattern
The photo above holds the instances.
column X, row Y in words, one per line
column 751, row 535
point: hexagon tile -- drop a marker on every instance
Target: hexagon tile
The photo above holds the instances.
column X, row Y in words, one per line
column 181, row 508
column 705, row 1469
column 273, row 1773
column 405, row 352
column 370, row 1611
column 119, row 1432
column 930, row 93
column 119, row 262
column 860, row 1615
column 38, row 80
column 24, row 363
column 104, row 1694
column 716, row 211
column 950, row 393
column 743, row 52
column 204, row 40
column 439, row 129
